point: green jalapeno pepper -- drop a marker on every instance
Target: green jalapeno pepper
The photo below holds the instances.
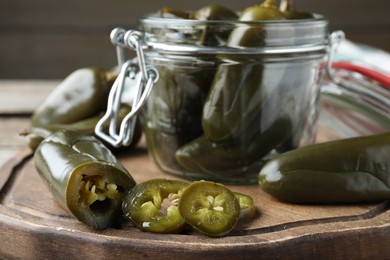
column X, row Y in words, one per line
column 218, row 158
column 81, row 95
column 153, row 205
column 173, row 111
column 174, row 108
column 77, row 104
column 265, row 11
column 253, row 36
column 211, row 35
column 84, row 176
column 235, row 98
column 35, row 135
column 214, row 12
column 211, row 208
column 343, row 171
column 247, row 206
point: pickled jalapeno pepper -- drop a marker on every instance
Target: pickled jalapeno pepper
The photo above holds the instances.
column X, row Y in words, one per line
column 35, row 135
column 230, row 99
column 84, row 176
column 77, row 104
column 235, row 95
column 247, row 206
column 210, row 208
column 174, row 108
column 218, row 158
column 153, row 205
column 173, row 112
column 265, row 11
column 342, row 171
column 211, row 35
column 80, row 95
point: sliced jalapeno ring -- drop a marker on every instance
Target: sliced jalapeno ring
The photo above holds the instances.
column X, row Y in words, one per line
column 210, row 208
column 153, row 205
column 247, row 206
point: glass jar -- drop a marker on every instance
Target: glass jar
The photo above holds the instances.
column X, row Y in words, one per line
column 230, row 95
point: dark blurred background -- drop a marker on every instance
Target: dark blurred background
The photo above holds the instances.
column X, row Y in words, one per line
column 48, row 39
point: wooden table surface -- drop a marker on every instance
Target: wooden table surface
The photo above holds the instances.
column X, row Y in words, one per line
column 39, row 229
column 18, row 98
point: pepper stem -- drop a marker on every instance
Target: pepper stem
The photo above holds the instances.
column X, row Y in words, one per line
column 286, row 5
column 269, row 4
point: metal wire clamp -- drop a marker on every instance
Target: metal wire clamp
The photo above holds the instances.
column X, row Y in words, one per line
column 135, row 75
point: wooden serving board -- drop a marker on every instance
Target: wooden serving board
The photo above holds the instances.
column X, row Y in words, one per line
column 33, row 226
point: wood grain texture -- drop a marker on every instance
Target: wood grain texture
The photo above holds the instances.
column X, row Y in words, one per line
column 33, row 226
column 21, row 97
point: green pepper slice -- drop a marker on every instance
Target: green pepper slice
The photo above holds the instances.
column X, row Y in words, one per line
column 84, row 176
column 210, row 208
column 81, row 95
column 247, row 206
column 343, row 171
column 153, row 205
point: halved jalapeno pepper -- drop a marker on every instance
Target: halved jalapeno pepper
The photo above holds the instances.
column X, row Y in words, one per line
column 84, row 176
column 209, row 207
column 153, row 205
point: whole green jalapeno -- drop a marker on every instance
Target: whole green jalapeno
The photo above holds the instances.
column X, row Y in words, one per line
column 81, row 95
column 209, row 35
column 214, row 12
column 218, row 158
column 235, row 94
column 343, row 171
column 84, row 177
column 174, row 108
column 212, row 36
column 265, row 11
column 35, row 135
